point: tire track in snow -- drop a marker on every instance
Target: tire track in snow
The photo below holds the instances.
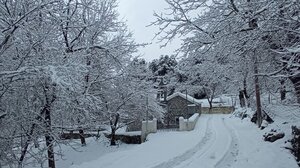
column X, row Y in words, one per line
column 206, row 156
column 231, row 154
column 189, row 153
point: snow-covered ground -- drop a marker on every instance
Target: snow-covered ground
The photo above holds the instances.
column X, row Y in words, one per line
column 72, row 153
column 217, row 141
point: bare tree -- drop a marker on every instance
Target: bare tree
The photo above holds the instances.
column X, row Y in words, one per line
column 52, row 61
column 232, row 30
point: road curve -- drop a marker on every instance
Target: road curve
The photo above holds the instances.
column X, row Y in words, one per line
column 218, row 148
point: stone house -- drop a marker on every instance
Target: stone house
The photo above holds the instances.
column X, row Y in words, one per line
column 180, row 105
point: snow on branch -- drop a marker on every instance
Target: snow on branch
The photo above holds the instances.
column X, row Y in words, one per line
column 2, row 115
column 64, row 75
column 295, row 49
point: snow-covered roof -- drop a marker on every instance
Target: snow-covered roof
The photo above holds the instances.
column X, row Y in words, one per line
column 222, row 101
column 290, row 113
column 184, row 96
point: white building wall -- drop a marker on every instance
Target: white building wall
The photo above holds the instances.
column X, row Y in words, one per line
column 148, row 127
column 188, row 124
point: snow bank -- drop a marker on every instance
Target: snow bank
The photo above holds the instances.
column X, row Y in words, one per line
column 188, row 125
column 284, row 113
column 132, row 133
column 254, row 152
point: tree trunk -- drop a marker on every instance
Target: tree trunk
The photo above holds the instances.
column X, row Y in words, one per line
column 25, row 147
column 113, row 137
column 296, row 82
column 87, row 77
column 29, row 137
column 257, row 93
column 242, row 98
column 246, row 96
column 113, row 126
column 82, row 138
column 81, row 132
column 49, row 138
column 210, row 104
column 210, row 107
column 282, row 90
column 50, row 98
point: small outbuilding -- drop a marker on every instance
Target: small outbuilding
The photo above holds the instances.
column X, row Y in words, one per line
column 180, row 105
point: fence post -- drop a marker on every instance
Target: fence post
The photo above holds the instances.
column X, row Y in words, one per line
column 148, row 127
column 181, row 124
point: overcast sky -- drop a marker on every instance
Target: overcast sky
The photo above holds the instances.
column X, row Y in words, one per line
column 139, row 14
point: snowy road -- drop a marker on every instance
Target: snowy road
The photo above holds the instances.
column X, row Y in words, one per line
column 218, row 148
column 217, row 142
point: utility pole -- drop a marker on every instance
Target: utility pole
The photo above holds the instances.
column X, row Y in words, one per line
column 186, row 100
column 187, row 109
column 147, row 104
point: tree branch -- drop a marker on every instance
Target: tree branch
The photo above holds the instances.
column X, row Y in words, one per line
column 233, row 6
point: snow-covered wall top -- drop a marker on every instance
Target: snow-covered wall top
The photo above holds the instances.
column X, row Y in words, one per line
column 194, row 117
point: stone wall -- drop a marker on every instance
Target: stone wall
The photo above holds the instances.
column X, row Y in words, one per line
column 217, row 110
column 127, row 137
